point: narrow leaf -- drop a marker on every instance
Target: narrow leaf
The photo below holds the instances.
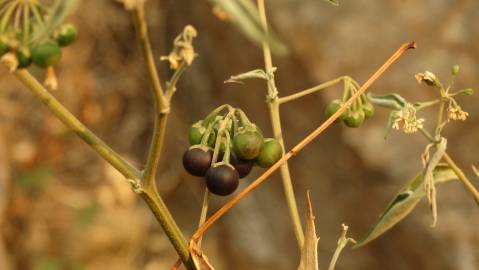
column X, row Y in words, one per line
column 253, row 74
column 392, row 101
column 246, row 17
column 309, row 253
column 405, row 201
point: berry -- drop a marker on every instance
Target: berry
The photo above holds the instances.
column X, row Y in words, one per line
column 3, row 48
column 271, row 152
column 368, row 109
column 243, row 167
column 354, row 119
column 222, row 179
column 66, row 35
column 332, row 108
column 46, row 54
column 247, row 143
column 24, row 60
column 197, row 160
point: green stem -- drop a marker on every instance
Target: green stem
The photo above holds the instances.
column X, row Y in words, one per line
column 161, row 103
column 311, row 90
column 204, row 212
column 462, row 177
column 162, row 109
column 273, row 105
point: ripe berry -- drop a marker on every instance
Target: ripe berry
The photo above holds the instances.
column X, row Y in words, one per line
column 243, row 167
column 354, row 119
column 66, row 35
column 271, row 152
column 332, row 108
column 368, row 109
column 222, row 179
column 247, row 143
column 46, row 54
column 197, row 160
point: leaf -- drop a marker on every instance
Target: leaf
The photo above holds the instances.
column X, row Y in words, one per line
column 309, row 254
column 245, row 15
column 333, row 2
column 392, row 101
column 60, row 10
column 405, row 201
column 199, row 258
column 252, row 74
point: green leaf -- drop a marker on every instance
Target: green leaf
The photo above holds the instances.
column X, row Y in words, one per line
column 244, row 14
column 309, row 253
column 252, row 74
column 333, row 2
column 405, row 201
column 392, row 101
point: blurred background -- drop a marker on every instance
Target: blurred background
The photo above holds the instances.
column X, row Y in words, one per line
column 63, row 207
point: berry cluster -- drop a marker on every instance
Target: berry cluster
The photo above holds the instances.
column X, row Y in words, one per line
column 357, row 113
column 224, row 148
column 28, row 35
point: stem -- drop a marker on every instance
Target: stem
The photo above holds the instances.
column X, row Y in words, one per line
column 74, row 124
column 161, row 103
column 277, row 131
column 162, row 109
column 311, row 90
column 149, row 194
column 167, row 222
column 204, row 212
column 460, row 174
column 302, row 143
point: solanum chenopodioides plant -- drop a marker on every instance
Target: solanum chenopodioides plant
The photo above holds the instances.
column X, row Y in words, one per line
column 437, row 165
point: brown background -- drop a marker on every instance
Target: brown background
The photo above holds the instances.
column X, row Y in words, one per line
column 62, row 207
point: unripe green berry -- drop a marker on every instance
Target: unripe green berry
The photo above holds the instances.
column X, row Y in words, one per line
column 46, row 54
column 271, row 152
column 333, row 107
column 66, row 35
column 368, row 110
column 354, row 119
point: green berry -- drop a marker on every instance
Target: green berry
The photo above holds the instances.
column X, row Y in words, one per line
column 333, row 107
column 24, row 60
column 368, row 110
column 247, row 143
column 354, row 119
column 3, row 48
column 66, row 35
column 46, row 54
column 271, row 152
